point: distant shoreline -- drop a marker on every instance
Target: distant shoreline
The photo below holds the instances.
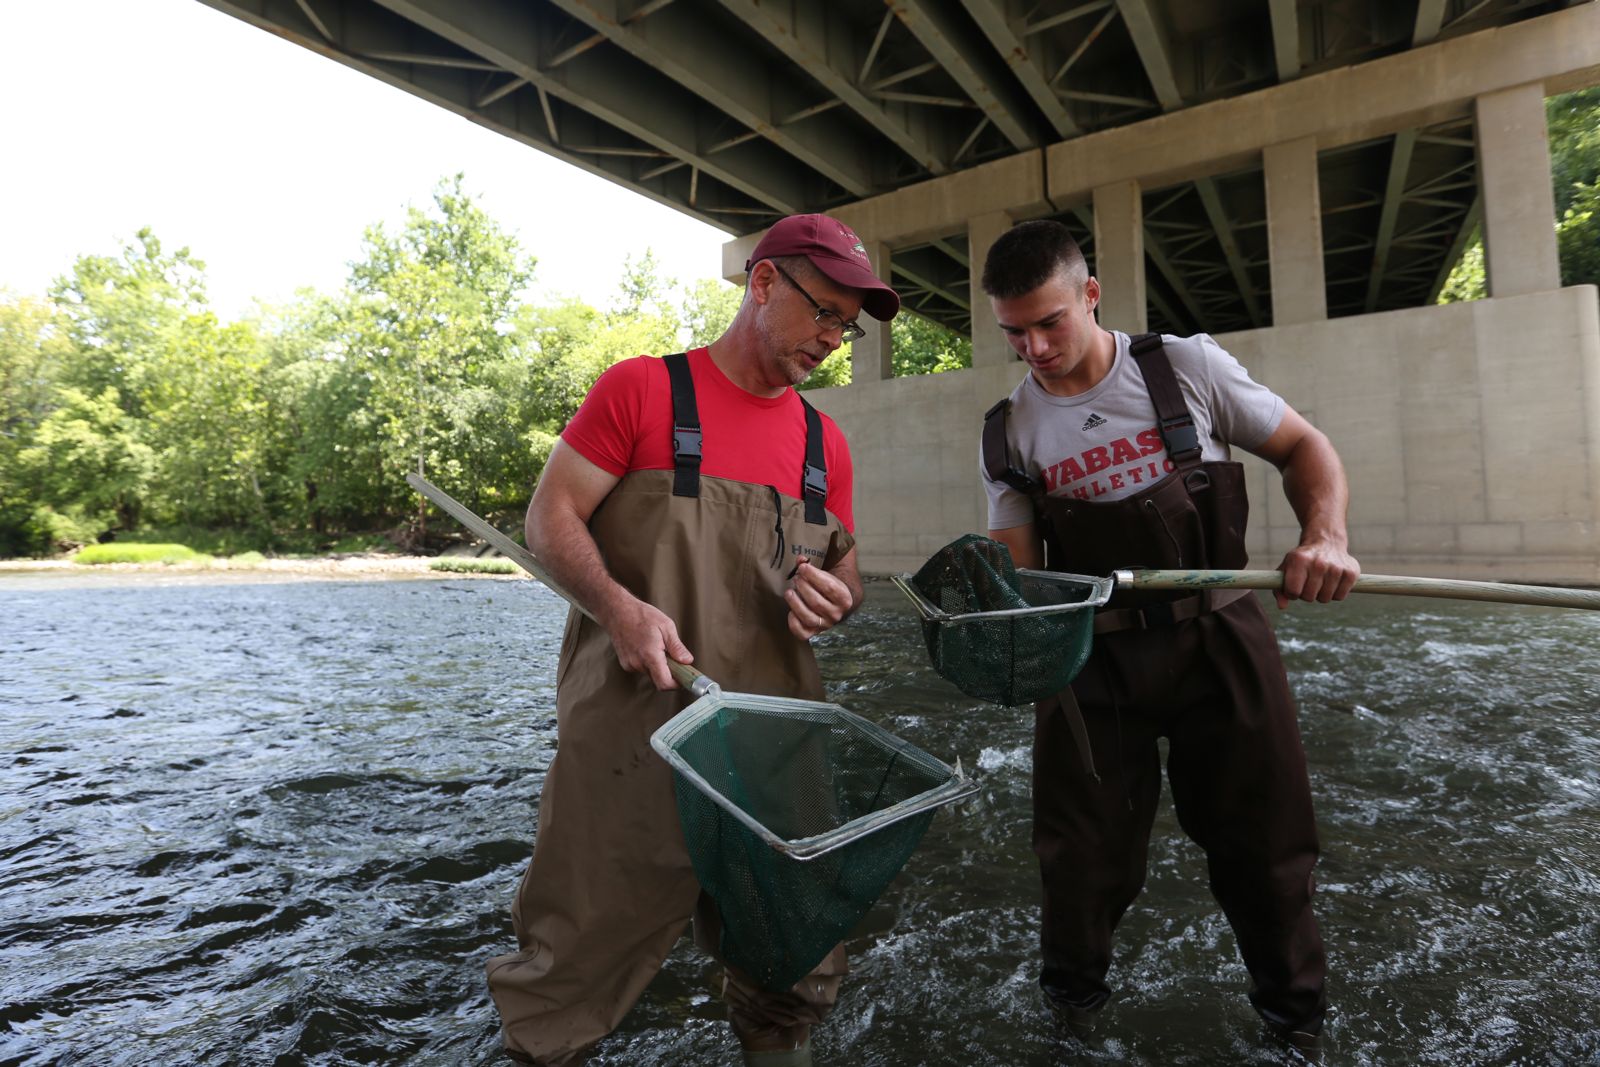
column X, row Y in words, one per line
column 342, row 568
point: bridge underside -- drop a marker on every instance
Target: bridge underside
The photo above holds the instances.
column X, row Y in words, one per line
column 737, row 112
column 1296, row 176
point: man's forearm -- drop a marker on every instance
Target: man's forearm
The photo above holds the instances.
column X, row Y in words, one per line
column 563, row 543
column 1314, row 482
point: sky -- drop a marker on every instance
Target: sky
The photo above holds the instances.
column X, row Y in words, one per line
column 267, row 161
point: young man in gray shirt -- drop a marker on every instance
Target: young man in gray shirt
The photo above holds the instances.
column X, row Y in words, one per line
column 1114, row 452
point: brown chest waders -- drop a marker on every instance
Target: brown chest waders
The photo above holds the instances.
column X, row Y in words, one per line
column 611, row 888
column 1204, row 672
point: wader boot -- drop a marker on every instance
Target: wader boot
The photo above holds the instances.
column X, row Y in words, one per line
column 1201, row 670
column 611, row 886
column 1079, row 1017
column 1305, row 1046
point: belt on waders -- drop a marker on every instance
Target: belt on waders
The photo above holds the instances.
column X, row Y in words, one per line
column 1166, row 612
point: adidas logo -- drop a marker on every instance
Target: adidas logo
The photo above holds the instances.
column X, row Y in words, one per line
column 1093, row 421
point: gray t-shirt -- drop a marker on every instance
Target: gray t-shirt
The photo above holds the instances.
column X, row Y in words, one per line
column 1103, row 444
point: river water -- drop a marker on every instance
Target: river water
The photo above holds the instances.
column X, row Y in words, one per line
column 280, row 823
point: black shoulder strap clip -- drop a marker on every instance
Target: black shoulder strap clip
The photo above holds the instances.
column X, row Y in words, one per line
column 1178, row 430
column 997, row 452
column 686, row 442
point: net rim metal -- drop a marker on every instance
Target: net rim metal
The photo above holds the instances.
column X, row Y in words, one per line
column 1103, row 588
column 691, row 718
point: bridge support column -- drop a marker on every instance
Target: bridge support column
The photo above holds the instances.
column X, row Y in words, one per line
column 989, row 346
column 1119, row 256
column 872, row 357
column 1294, row 232
column 1518, row 205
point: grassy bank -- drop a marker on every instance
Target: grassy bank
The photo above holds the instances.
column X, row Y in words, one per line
column 231, row 543
column 157, row 552
column 197, row 552
column 458, row 565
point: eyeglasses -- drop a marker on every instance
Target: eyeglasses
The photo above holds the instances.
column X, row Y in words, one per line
column 825, row 318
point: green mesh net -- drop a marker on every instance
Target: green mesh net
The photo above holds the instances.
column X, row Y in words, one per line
column 1000, row 634
column 797, row 815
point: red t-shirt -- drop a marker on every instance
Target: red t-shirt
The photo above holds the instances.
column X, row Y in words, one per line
column 625, row 424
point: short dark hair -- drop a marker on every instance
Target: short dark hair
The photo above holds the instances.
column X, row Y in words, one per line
column 1030, row 254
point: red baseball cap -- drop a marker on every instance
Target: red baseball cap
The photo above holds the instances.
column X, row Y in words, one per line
column 835, row 250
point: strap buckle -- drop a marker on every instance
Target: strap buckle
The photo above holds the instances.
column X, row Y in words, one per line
column 1181, row 437
column 816, row 480
column 686, row 443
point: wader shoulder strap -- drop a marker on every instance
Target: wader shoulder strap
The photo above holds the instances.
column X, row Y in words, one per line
column 997, row 452
column 814, row 479
column 686, row 452
column 1177, row 426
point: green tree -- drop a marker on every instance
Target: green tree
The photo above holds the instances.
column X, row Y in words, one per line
column 922, row 346
column 1467, row 280
column 122, row 312
column 568, row 346
column 87, row 462
column 642, row 289
column 562, row 367
column 1574, row 123
column 33, row 346
column 833, row 371
column 209, row 426
column 92, row 457
column 32, row 349
column 328, row 468
column 1578, row 237
column 708, row 308
column 431, row 310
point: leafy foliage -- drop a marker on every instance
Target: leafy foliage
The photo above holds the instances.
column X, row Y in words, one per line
column 708, row 308
column 922, row 346
column 1468, row 279
column 1574, row 124
column 427, row 322
column 835, row 370
column 1578, row 237
column 127, row 406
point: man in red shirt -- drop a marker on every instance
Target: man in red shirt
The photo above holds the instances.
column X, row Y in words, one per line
column 694, row 502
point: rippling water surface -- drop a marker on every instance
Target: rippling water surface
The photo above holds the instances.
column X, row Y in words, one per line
column 248, row 823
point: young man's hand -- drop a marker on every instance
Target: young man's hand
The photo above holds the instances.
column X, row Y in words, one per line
column 1320, row 570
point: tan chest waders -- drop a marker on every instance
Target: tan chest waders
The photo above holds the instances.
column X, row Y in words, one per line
column 801, row 812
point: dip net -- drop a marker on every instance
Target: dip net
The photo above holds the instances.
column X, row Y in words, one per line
column 1000, row 634
column 797, row 815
